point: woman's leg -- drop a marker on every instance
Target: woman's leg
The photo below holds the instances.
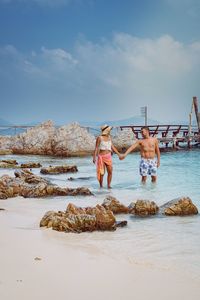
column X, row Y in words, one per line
column 109, row 178
column 101, row 181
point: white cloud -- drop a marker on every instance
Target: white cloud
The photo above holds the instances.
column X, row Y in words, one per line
column 191, row 7
column 120, row 75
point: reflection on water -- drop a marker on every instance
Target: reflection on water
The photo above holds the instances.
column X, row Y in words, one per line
column 162, row 241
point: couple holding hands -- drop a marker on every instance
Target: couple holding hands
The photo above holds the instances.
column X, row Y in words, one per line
column 149, row 151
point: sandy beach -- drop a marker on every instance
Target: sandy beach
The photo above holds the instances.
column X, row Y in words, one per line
column 45, row 264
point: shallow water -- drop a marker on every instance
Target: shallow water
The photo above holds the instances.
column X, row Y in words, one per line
column 164, row 242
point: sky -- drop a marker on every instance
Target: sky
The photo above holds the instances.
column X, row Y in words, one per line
column 95, row 60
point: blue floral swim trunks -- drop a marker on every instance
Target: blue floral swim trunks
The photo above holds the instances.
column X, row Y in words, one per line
column 148, row 167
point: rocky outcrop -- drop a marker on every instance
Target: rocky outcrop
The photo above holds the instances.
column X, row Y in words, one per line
column 179, row 207
column 46, row 139
column 28, row 185
column 73, row 140
column 77, row 219
column 36, row 140
column 143, row 208
column 6, row 145
column 59, row 169
column 111, row 203
column 123, row 139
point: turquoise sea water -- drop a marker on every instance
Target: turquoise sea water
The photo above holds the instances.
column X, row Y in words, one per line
column 164, row 242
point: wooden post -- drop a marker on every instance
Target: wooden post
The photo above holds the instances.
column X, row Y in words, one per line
column 195, row 102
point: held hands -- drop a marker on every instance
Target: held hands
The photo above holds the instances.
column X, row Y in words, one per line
column 158, row 164
column 94, row 160
column 122, row 156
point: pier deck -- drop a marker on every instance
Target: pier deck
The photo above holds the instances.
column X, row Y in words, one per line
column 169, row 134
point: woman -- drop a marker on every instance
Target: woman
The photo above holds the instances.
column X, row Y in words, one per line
column 103, row 150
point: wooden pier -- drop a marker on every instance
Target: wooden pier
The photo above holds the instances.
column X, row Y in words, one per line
column 173, row 135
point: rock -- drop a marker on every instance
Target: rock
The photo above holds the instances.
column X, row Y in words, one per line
column 59, row 169
column 8, row 163
column 123, row 139
column 29, row 177
column 77, row 219
column 28, row 185
column 46, row 218
column 180, row 207
column 2, row 208
column 79, row 178
column 121, row 223
column 37, row 258
column 115, row 206
column 73, row 140
column 30, row 165
column 5, row 152
column 143, row 208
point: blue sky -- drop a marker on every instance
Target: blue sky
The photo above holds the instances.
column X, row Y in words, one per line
column 76, row 60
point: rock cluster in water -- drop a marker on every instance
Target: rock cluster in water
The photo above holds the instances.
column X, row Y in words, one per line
column 12, row 163
column 77, row 219
column 59, row 169
column 101, row 217
column 28, row 185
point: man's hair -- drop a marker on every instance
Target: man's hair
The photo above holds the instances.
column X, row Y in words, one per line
column 146, row 128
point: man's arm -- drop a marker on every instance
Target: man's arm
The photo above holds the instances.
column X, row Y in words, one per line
column 96, row 149
column 130, row 149
column 157, row 151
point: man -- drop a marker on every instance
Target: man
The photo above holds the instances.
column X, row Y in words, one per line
column 149, row 149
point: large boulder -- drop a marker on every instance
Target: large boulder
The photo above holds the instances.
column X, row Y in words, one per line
column 123, row 139
column 111, row 203
column 179, row 207
column 59, row 169
column 36, row 140
column 143, row 208
column 73, row 140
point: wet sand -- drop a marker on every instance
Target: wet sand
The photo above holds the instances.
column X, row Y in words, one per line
column 44, row 264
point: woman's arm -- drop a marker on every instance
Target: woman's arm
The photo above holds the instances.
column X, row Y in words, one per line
column 115, row 150
column 96, row 151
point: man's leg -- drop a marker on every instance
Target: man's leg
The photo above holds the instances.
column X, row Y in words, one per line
column 144, row 179
column 109, row 179
column 153, row 179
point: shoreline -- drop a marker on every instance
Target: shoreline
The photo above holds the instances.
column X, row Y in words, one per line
column 42, row 263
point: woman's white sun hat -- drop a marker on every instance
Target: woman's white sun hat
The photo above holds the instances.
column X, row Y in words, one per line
column 105, row 129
